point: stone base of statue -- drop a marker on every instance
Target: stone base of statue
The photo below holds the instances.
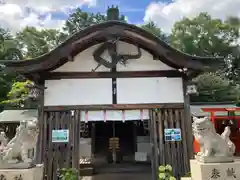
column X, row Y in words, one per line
column 33, row 173
column 216, row 171
column 214, row 159
column 20, row 165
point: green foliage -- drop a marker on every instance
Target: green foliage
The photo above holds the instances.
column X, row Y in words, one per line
column 152, row 28
column 8, row 47
column 68, row 174
column 165, row 173
column 215, row 88
column 188, row 174
column 80, row 20
column 205, row 36
column 8, row 50
column 238, row 103
column 34, row 42
column 18, row 94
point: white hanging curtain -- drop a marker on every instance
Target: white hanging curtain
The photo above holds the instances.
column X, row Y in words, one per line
column 115, row 115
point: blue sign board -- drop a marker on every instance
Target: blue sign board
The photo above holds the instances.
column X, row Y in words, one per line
column 60, row 136
column 172, row 134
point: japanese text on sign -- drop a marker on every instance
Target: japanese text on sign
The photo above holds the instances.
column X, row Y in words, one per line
column 60, row 136
column 172, row 134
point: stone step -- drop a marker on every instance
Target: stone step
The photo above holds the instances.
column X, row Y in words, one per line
column 186, row 178
column 87, row 171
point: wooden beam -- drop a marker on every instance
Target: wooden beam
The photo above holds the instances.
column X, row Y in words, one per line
column 233, row 109
column 114, row 86
column 125, row 74
column 114, row 107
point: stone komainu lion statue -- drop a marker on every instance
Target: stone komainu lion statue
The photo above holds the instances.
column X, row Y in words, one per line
column 211, row 143
column 19, row 146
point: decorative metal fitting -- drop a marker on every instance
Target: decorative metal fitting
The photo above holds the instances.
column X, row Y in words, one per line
column 191, row 88
column 35, row 91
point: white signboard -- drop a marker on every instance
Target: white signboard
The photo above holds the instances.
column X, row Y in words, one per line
column 172, row 134
column 60, row 136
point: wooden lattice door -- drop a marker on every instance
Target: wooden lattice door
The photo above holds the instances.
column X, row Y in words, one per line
column 165, row 152
column 62, row 154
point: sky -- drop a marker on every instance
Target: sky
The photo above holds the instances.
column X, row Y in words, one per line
column 17, row 14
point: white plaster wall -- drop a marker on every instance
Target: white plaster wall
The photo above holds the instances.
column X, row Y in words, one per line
column 145, row 63
column 149, row 90
column 99, row 91
column 78, row 92
column 84, row 62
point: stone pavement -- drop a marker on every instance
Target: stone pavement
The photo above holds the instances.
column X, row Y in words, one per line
column 119, row 176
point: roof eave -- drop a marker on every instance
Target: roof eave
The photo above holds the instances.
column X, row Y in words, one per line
column 100, row 31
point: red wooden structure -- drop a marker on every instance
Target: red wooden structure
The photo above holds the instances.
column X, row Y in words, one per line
column 220, row 122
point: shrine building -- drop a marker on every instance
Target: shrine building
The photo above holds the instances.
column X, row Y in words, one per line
column 114, row 88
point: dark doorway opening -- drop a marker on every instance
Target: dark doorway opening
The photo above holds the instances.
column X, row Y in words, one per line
column 125, row 132
column 122, row 130
column 102, row 134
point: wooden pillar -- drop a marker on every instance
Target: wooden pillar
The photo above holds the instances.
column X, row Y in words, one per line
column 93, row 138
column 153, row 142
column 188, row 120
column 39, row 157
column 135, row 136
column 161, row 138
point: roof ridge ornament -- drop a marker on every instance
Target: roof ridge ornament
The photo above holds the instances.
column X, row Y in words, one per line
column 113, row 13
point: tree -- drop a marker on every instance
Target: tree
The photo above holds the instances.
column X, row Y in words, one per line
column 8, row 50
column 204, row 36
column 152, row 28
column 215, row 88
column 8, row 46
column 35, row 42
column 18, row 95
column 80, row 20
column 32, row 43
column 234, row 68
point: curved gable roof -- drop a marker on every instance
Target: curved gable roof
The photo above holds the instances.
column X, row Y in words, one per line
column 98, row 33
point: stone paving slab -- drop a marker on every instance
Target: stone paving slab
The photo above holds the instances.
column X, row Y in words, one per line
column 119, row 176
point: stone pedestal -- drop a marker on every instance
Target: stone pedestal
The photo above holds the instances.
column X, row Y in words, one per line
column 221, row 159
column 215, row 171
column 35, row 173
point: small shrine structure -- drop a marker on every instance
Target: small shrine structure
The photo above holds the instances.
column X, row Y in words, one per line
column 113, row 72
